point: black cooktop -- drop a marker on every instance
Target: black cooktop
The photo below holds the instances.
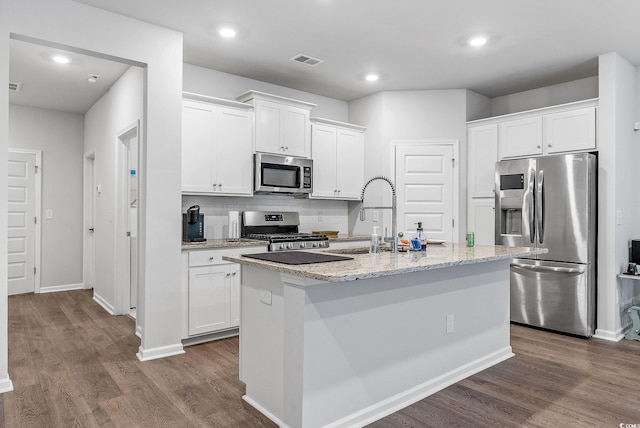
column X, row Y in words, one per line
column 297, row 257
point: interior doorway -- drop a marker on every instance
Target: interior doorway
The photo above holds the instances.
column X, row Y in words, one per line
column 426, row 177
column 89, row 254
column 24, row 219
column 128, row 142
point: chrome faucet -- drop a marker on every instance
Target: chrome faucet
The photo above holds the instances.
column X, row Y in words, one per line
column 394, row 211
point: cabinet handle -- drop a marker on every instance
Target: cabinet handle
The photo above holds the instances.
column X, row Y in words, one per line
column 228, row 274
column 548, row 145
column 538, row 146
column 220, row 185
column 211, row 258
column 214, row 185
column 234, row 273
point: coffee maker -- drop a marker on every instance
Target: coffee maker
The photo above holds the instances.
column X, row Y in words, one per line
column 193, row 225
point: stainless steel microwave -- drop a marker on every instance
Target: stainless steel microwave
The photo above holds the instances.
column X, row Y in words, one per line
column 282, row 174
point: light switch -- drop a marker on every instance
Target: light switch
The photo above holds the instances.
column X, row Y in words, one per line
column 49, row 214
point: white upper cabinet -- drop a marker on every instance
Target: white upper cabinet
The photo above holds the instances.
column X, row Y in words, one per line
column 282, row 125
column 522, row 137
column 483, row 155
column 338, row 159
column 573, row 130
column 216, row 147
column 558, row 129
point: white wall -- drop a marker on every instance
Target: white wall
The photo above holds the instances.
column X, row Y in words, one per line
column 214, row 83
column 120, row 107
column 617, row 110
column 5, row 381
column 59, row 135
column 408, row 115
column 77, row 26
column 562, row 93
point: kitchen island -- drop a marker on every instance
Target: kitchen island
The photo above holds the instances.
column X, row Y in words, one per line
column 345, row 343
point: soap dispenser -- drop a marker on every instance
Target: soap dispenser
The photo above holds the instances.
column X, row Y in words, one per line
column 421, row 237
column 375, row 241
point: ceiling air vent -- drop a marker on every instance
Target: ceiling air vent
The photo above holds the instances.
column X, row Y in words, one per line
column 306, row 59
column 15, row 86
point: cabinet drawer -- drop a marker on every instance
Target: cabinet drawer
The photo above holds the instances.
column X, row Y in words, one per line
column 206, row 257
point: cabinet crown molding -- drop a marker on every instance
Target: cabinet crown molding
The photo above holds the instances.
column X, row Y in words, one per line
column 592, row 102
column 214, row 100
column 336, row 123
column 257, row 95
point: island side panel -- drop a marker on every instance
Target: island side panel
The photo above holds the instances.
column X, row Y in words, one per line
column 262, row 340
column 377, row 345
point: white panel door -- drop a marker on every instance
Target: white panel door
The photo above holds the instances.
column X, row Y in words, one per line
column 209, row 297
column 522, row 137
column 198, row 137
column 323, row 151
column 234, row 152
column 21, row 221
column 424, row 181
column 349, row 163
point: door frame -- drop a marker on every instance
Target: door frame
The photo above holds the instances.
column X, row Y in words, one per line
column 122, row 254
column 38, row 210
column 455, row 145
column 89, row 206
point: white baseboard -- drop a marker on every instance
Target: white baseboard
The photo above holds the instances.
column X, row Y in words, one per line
column 139, row 331
column 613, row 336
column 64, row 287
column 159, row 352
column 6, row 385
column 102, row 302
column 406, row 398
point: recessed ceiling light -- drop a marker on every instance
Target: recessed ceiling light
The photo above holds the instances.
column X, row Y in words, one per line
column 61, row 59
column 227, row 32
column 93, row 78
column 477, row 41
column 371, row 77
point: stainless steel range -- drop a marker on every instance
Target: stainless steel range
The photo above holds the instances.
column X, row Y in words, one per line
column 280, row 228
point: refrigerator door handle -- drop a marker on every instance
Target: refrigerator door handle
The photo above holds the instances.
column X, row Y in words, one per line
column 540, row 206
column 549, row 268
column 531, row 202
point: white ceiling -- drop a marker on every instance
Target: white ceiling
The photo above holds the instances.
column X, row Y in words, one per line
column 414, row 44
column 63, row 87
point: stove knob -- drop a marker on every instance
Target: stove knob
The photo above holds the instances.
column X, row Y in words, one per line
column 315, row 244
column 302, row 245
column 282, row 246
column 289, row 245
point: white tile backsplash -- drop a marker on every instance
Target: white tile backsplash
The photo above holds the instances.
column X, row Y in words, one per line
column 315, row 214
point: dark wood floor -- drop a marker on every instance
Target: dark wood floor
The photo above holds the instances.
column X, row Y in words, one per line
column 73, row 365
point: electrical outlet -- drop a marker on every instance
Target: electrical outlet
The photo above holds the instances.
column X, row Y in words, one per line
column 450, row 324
column 265, row 296
column 376, row 216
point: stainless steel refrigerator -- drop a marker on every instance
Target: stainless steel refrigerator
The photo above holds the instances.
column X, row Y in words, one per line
column 550, row 202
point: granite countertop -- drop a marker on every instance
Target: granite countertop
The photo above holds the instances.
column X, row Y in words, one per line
column 366, row 265
column 244, row 242
column 223, row 243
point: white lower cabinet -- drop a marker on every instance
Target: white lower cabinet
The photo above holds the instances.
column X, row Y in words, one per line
column 211, row 291
column 213, row 298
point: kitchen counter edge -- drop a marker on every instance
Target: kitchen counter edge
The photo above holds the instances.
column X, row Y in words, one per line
column 365, row 266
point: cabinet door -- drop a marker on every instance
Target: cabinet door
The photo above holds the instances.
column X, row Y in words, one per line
column 483, row 154
column 324, row 161
column 208, row 299
column 482, row 220
column 233, row 156
column 268, row 120
column 573, row 130
column 234, row 297
column 296, row 131
column 522, row 137
column 198, row 138
column 349, row 163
